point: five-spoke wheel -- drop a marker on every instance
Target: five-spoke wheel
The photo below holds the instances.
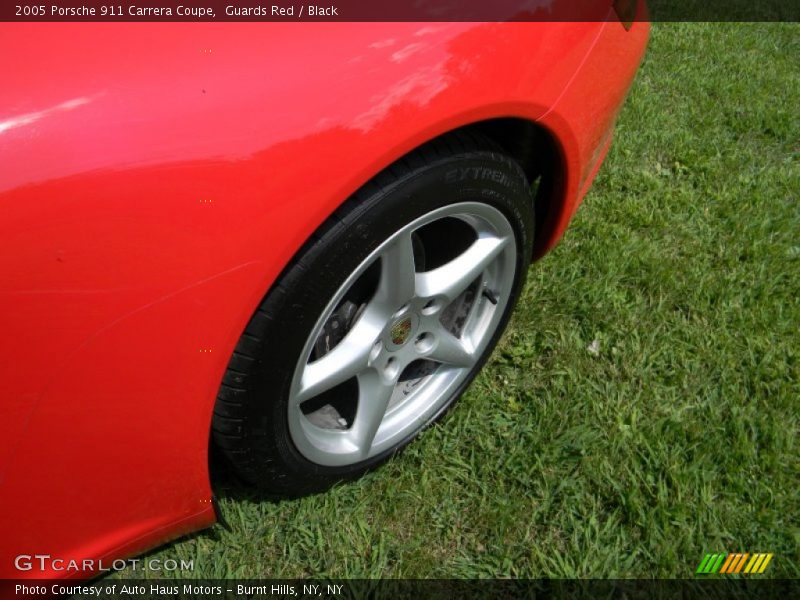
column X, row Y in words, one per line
column 410, row 342
column 381, row 320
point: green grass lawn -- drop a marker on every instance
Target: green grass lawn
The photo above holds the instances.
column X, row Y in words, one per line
column 678, row 436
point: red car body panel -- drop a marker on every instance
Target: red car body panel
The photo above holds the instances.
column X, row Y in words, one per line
column 154, row 181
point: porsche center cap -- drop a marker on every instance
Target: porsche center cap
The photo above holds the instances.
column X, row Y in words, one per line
column 400, row 331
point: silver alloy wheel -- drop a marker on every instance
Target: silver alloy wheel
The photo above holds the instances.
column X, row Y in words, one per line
column 429, row 328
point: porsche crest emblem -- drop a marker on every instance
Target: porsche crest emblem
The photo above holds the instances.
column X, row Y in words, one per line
column 400, row 331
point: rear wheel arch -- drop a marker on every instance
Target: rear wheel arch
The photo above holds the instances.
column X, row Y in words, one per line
column 244, row 428
column 531, row 146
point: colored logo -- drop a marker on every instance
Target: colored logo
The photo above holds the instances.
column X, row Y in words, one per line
column 734, row 563
column 400, row 331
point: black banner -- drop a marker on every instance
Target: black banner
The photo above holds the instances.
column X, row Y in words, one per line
column 399, row 10
column 414, row 589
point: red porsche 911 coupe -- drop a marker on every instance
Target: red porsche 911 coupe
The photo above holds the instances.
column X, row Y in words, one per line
column 295, row 242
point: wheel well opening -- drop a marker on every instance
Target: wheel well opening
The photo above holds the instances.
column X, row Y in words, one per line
column 537, row 152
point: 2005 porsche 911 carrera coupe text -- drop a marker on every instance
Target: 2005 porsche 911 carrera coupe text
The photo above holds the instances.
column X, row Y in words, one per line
column 294, row 243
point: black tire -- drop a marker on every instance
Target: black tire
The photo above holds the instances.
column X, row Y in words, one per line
column 250, row 425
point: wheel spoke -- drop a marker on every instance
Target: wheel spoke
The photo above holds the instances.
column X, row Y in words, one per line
column 396, row 285
column 374, row 393
column 454, row 277
column 451, row 350
column 347, row 359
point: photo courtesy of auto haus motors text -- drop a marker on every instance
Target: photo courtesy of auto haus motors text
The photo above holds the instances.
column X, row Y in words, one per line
column 147, row 590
